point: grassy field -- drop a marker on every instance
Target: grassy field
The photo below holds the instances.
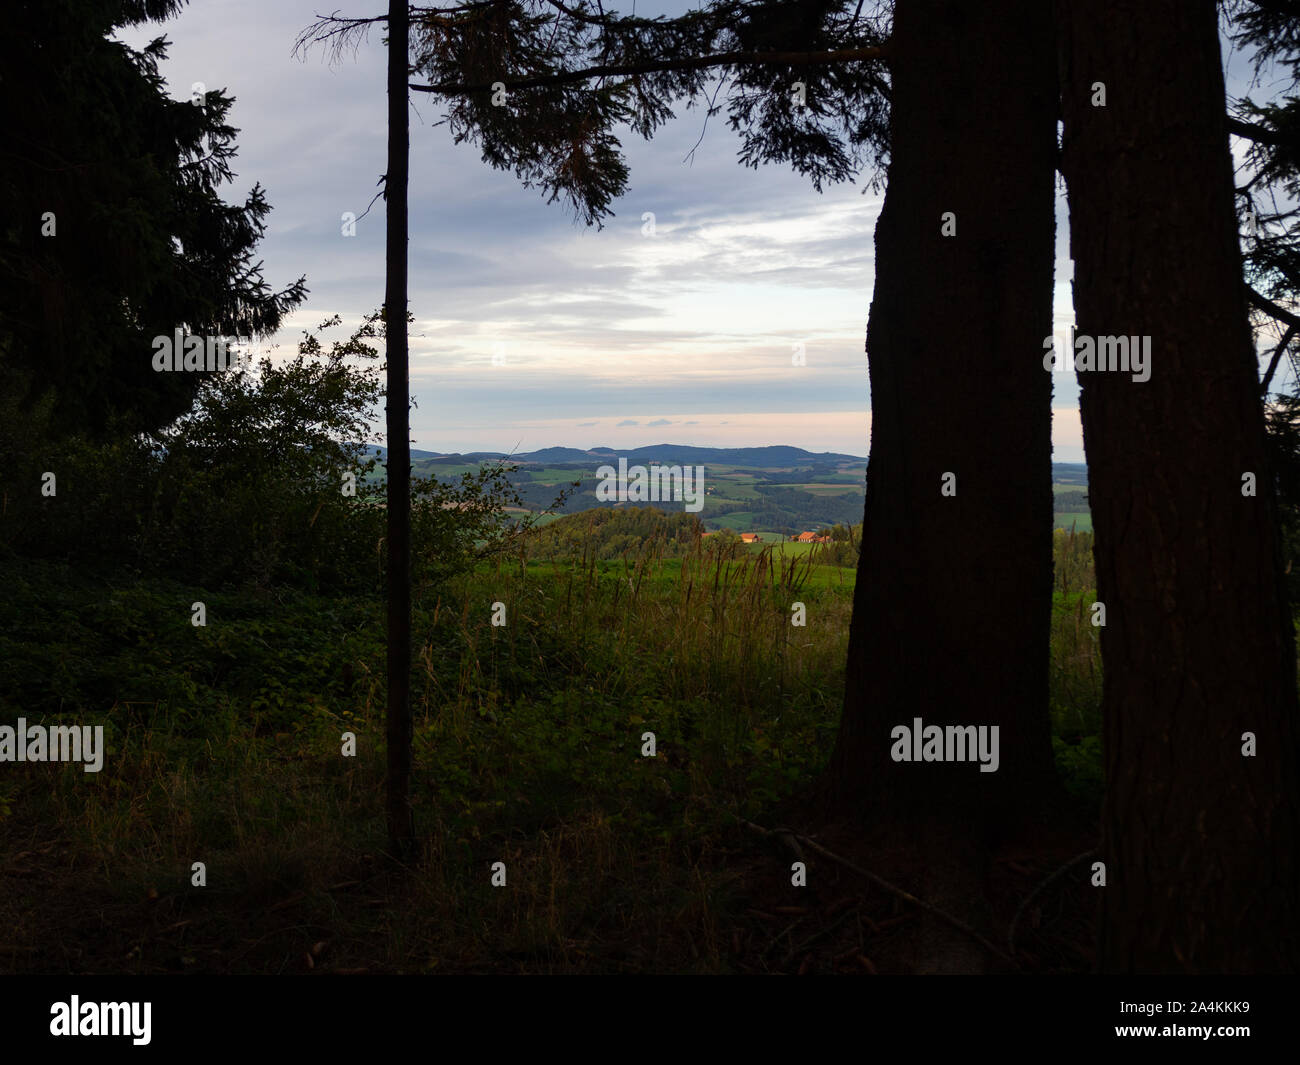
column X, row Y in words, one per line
column 828, row 489
column 788, row 547
column 733, row 485
column 737, row 487
column 739, row 520
column 225, row 746
column 1081, row 522
column 552, row 476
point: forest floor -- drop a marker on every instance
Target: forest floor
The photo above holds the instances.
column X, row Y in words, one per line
column 63, row 915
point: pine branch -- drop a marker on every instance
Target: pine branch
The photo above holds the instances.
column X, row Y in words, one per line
column 1253, row 132
column 792, row 59
column 1263, row 303
column 1287, row 337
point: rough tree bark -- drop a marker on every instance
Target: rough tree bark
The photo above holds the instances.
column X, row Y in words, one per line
column 1200, row 843
column 401, row 829
column 951, row 612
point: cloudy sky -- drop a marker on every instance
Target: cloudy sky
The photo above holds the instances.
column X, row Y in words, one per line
column 602, row 337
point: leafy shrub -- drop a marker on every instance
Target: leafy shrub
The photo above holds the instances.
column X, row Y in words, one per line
column 263, row 482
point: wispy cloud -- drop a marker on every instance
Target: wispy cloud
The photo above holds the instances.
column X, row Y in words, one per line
column 530, row 328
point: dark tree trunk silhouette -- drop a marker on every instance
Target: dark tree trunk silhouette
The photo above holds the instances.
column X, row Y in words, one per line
column 951, row 612
column 401, row 829
column 1200, row 843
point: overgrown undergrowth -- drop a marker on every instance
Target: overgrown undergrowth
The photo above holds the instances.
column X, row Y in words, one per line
column 224, row 747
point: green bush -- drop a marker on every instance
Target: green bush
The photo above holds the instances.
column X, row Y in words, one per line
column 264, row 482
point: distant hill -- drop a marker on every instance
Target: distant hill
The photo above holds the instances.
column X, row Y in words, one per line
column 771, row 457
column 775, row 456
column 371, row 449
column 777, row 489
column 559, row 454
column 1070, row 472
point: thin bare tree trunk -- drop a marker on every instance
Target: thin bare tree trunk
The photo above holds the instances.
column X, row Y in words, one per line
column 401, row 829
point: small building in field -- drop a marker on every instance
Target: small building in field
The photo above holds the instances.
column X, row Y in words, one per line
column 812, row 538
column 749, row 538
